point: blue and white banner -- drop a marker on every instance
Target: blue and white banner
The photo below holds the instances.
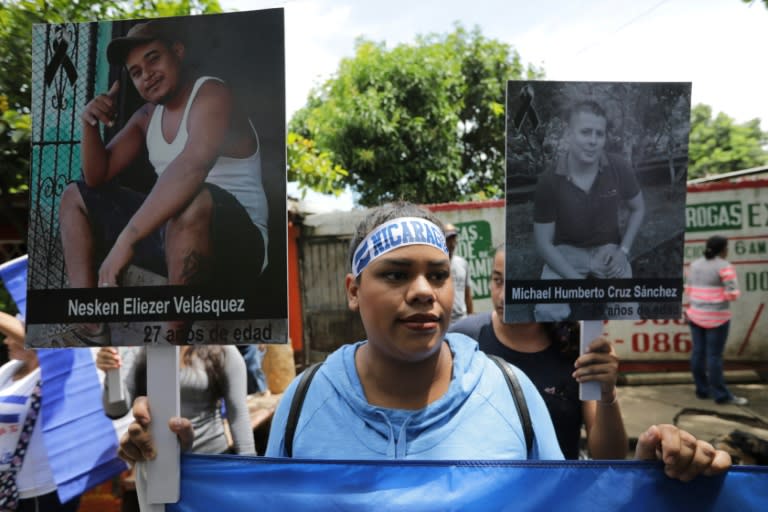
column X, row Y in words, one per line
column 235, row 483
column 80, row 440
column 394, row 234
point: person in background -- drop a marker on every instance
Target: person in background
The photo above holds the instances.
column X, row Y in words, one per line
column 411, row 391
column 711, row 285
column 253, row 355
column 462, row 281
column 23, row 459
column 208, row 375
column 548, row 354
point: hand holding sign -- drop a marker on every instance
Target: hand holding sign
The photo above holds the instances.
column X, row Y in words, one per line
column 137, row 444
column 156, row 440
column 599, row 364
column 109, row 361
column 102, row 108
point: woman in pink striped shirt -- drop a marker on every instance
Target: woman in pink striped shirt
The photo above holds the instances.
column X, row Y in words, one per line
column 711, row 284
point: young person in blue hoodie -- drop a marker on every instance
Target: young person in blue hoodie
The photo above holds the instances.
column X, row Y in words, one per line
column 410, row 391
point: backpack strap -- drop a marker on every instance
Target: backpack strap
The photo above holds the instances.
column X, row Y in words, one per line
column 307, row 375
column 519, row 399
column 296, row 403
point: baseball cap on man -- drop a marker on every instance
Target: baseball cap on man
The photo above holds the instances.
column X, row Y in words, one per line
column 139, row 34
column 449, row 230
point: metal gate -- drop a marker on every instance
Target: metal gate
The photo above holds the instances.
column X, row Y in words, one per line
column 63, row 69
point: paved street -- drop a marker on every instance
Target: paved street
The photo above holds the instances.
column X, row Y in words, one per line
column 671, row 399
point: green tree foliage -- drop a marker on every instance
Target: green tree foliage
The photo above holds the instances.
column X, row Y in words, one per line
column 311, row 168
column 718, row 144
column 422, row 122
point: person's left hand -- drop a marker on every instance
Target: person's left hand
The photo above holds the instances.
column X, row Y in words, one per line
column 118, row 258
column 684, row 456
column 611, row 262
column 600, row 363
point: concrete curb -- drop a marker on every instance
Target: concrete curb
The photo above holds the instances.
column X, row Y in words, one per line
column 661, row 378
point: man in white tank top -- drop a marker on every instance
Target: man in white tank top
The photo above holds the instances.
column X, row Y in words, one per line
column 205, row 219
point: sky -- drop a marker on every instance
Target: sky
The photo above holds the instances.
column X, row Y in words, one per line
column 715, row 44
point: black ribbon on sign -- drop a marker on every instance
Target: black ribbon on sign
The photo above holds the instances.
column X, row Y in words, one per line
column 525, row 109
column 60, row 59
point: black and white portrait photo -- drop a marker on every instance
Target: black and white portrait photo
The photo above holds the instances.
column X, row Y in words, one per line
column 596, row 181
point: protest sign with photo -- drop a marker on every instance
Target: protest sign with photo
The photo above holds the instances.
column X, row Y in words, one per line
column 595, row 200
column 158, row 211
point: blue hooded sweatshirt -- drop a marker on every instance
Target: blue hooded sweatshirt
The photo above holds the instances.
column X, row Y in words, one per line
column 475, row 419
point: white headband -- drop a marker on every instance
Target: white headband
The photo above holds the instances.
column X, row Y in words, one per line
column 394, row 234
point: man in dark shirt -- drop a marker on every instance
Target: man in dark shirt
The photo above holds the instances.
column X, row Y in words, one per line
column 576, row 211
column 548, row 354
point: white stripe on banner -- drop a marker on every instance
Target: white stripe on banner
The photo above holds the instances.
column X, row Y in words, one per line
column 80, row 440
column 234, row 483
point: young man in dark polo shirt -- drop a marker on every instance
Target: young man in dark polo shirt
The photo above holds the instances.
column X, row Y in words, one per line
column 576, row 212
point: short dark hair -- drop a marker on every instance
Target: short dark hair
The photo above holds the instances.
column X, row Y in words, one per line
column 386, row 212
column 586, row 106
column 716, row 244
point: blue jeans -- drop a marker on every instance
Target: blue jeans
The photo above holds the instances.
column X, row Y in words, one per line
column 707, row 361
column 254, row 355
